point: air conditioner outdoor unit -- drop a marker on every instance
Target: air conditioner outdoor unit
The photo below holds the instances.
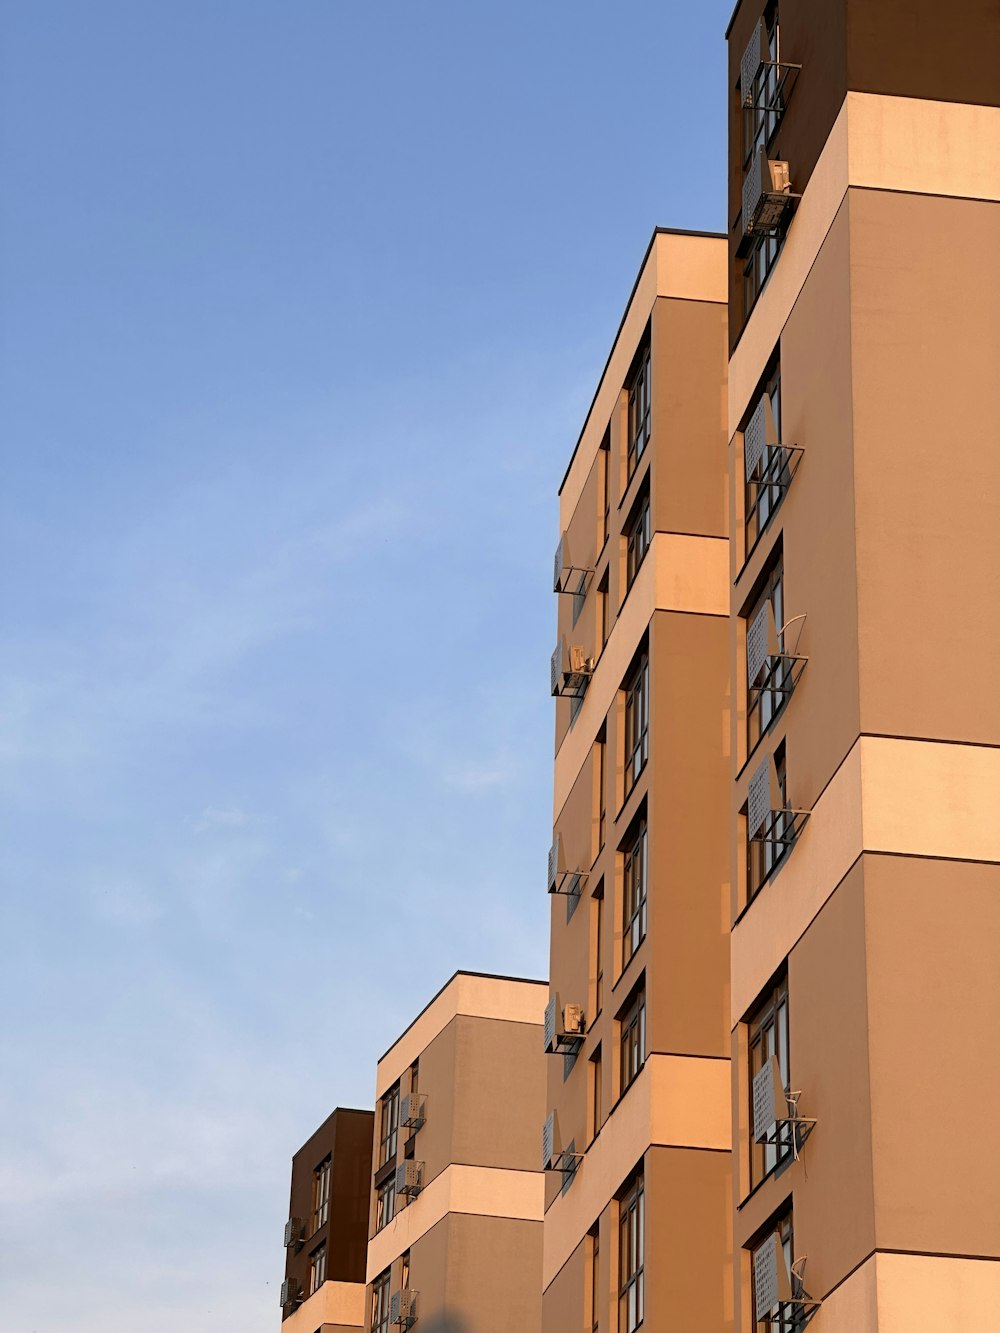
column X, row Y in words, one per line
column 294, row 1231
column 762, row 643
column 767, row 196
column 760, row 438
column 769, row 1103
column 570, row 670
column 413, row 1110
column 564, row 1028
column 564, row 569
column 291, row 1290
column 402, row 1307
column 408, row 1176
column 772, row 1282
column 561, row 878
column 554, row 1156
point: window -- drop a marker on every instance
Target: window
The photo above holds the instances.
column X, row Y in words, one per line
column 638, row 411
column 595, row 1092
column 317, row 1268
column 636, row 722
column 768, row 1035
column 604, row 609
column 606, row 487
column 602, row 810
column 415, row 1077
column 774, row 685
column 766, row 852
column 638, row 540
column 634, row 879
column 633, row 1039
column 631, row 1226
column 595, row 1279
column 760, row 126
column 783, row 1318
column 385, row 1202
column 389, row 1125
column 762, row 119
column 404, row 1272
column 599, row 948
column 771, row 477
column 380, row 1303
column 321, row 1195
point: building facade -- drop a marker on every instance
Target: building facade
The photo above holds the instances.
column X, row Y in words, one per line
column 864, row 388
column 455, row 1224
column 636, row 1143
column 327, row 1229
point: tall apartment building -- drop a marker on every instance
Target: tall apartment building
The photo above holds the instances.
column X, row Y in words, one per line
column 455, row 1227
column 637, row 1220
column 326, row 1232
column 864, row 393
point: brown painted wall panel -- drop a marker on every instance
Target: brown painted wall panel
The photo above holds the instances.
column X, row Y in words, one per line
column 926, row 343
column 688, row 1249
column 688, row 971
column 346, row 1136
column 689, row 418
column 478, row 1275
column 486, row 1133
column 933, row 940
column 564, row 1304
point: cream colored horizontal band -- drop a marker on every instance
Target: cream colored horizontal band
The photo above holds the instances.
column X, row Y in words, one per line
column 904, row 1293
column 484, row 1191
column 340, row 1303
column 877, row 142
column 916, row 798
column 679, row 573
column 503, row 998
column 677, row 1101
column 688, row 268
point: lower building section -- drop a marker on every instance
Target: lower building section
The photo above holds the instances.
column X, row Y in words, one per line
column 654, row 1255
column 336, row 1307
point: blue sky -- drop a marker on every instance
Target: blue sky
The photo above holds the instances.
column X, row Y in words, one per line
column 302, row 304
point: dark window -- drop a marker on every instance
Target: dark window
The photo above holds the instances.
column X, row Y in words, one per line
column 784, row 1318
column 773, row 687
column 768, row 849
column 634, row 878
column 602, row 808
column 595, row 1281
column 638, row 411
column 595, row 1092
column 636, row 722
column 321, row 1195
column 599, row 947
column 638, row 540
column 380, row 1303
column 631, row 1229
column 317, row 1268
column 768, row 1036
column 770, row 477
column 604, row 608
column 389, row 1125
column 633, row 1039
column 606, row 488
column 385, row 1203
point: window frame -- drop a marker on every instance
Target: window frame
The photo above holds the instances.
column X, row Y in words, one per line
column 632, row 1039
column 768, row 1034
column 385, row 1201
column 321, row 1193
column 317, row 1268
column 381, row 1303
column 765, row 706
column 788, row 1319
column 389, row 1125
column 639, row 408
column 766, row 855
column 635, row 888
column 638, row 537
column 631, row 1255
column 636, row 728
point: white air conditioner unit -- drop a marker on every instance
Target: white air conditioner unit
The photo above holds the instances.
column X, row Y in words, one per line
column 291, row 1291
column 403, row 1307
column 564, row 569
column 767, row 196
column 570, row 670
column 760, row 438
column 554, row 1156
column 564, row 1028
column 762, row 643
column 408, row 1177
column 413, row 1110
column 561, row 879
column 764, row 799
column 294, row 1231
